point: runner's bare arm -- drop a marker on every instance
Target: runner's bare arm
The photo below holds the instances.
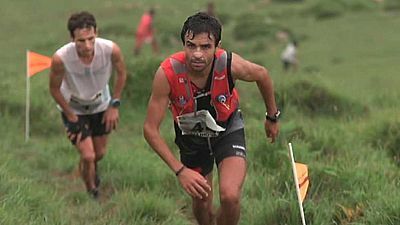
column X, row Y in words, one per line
column 111, row 116
column 56, row 77
column 156, row 110
column 193, row 182
column 248, row 71
column 119, row 65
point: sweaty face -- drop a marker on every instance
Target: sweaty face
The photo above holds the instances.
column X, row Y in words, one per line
column 84, row 41
column 199, row 51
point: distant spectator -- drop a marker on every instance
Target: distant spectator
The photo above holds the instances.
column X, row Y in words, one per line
column 289, row 57
column 210, row 9
column 145, row 32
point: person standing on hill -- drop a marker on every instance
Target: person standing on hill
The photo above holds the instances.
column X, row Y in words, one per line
column 211, row 9
column 198, row 86
column 289, row 57
column 79, row 78
column 145, row 32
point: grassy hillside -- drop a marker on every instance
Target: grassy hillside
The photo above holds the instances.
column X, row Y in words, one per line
column 340, row 111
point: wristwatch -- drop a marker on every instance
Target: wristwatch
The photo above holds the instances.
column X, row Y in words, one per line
column 273, row 118
column 115, row 102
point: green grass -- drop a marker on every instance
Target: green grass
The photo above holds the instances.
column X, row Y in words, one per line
column 340, row 111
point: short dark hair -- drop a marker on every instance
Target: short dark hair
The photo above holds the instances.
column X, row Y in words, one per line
column 81, row 20
column 152, row 11
column 202, row 23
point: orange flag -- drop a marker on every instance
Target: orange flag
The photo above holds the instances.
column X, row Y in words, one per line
column 37, row 63
column 302, row 177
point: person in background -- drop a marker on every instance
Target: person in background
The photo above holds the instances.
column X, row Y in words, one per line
column 211, row 9
column 198, row 85
column 145, row 32
column 79, row 76
column 289, row 57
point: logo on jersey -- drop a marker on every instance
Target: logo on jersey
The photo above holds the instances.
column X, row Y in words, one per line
column 182, row 100
column 221, row 99
column 219, row 78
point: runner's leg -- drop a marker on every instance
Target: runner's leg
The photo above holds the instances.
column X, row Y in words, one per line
column 87, row 157
column 202, row 208
column 100, row 149
column 232, row 172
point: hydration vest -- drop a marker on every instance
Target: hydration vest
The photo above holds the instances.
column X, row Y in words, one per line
column 224, row 97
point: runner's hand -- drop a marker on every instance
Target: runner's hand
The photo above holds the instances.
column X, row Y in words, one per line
column 194, row 183
column 271, row 130
column 74, row 137
column 111, row 118
column 73, row 118
column 74, row 129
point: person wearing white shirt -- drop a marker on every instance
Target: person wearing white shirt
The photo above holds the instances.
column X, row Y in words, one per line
column 289, row 57
column 79, row 77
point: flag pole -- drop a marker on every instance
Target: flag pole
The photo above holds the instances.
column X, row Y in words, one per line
column 303, row 220
column 27, row 98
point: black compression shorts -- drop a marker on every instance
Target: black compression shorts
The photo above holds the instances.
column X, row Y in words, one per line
column 199, row 153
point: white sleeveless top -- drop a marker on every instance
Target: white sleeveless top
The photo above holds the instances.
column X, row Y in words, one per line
column 85, row 86
column 289, row 54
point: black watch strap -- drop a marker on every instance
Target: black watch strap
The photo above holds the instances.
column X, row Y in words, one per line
column 273, row 118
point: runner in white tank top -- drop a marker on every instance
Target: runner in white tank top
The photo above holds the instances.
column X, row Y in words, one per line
column 79, row 77
column 87, row 84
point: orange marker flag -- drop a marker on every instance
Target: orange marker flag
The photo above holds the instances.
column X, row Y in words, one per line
column 300, row 175
column 37, row 63
column 34, row 63
column 303, row 181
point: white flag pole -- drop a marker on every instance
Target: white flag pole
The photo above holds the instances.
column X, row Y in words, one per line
column 27, row 98
column 303, row 220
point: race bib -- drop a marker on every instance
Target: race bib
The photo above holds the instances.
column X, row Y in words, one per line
column 200, row 124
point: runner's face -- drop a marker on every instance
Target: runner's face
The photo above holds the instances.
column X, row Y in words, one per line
column 199, row 51
column 84, row 41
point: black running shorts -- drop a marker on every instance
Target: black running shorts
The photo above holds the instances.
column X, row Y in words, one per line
column 199, row 153
column 88, row 125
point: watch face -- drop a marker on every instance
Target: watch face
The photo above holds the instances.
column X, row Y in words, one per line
column 115, row 103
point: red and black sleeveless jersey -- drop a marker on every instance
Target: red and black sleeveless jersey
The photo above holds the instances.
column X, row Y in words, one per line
column 219, row 96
